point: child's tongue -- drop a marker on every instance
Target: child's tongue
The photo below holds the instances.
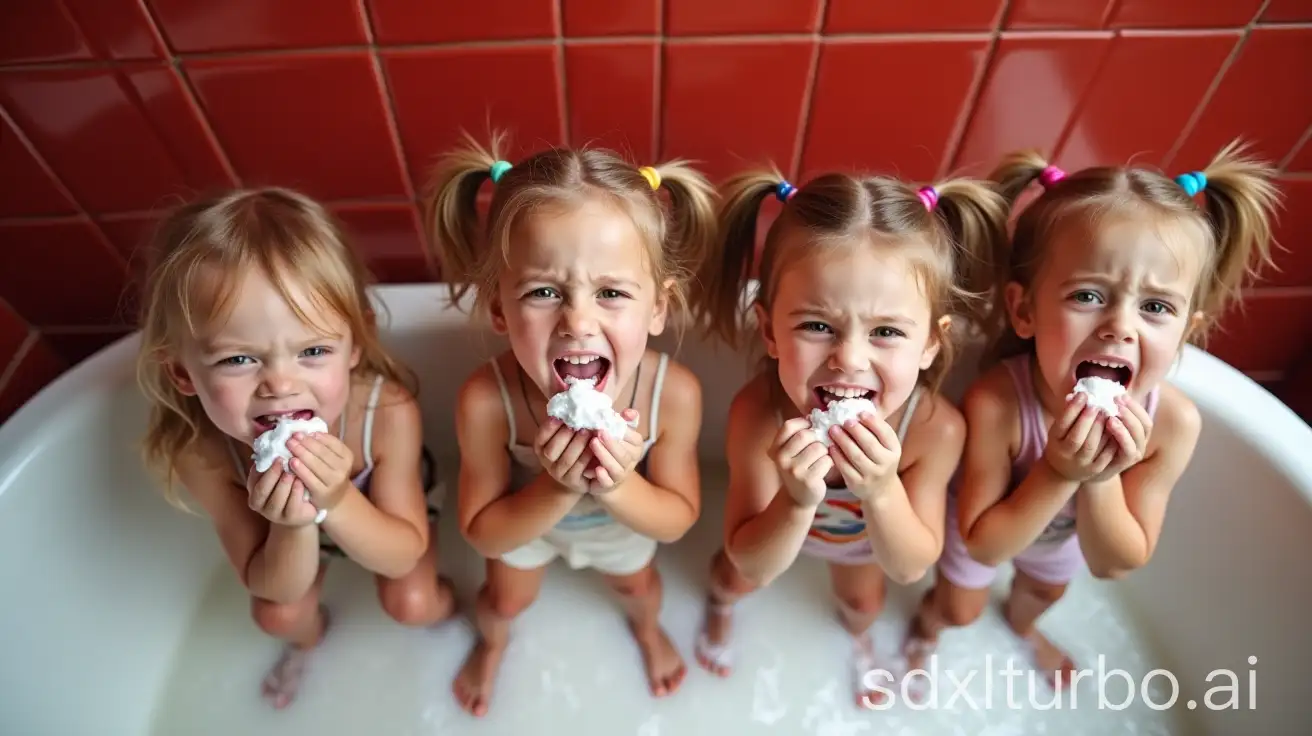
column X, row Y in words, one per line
column 583, row 371
column 1091, row 370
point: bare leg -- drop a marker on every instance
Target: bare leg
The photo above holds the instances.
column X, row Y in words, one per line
column 421, row 597
column 507, row 592
column 860, row 592
column 301, row 626
column 728, row 586
column 944, row 606
column 640, row 594
column 1028, row 601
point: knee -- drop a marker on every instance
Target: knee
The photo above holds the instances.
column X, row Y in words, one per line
column 866, row 602
column 1044, row 593
column 408, row 603
column 726, row 579
column 281, row 620
column 955, row 608
column 504, row 604
column 640, row 585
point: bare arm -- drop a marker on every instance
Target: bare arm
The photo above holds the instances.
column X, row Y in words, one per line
column 274, row 562
column 664, row 505
column 1119, row 521
column 387, row 532
column 997, row 529
column 764, row 527
column 493, row 520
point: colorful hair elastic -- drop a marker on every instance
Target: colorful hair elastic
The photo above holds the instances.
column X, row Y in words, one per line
column 498, row 170
column 784, row 191
column 1192, row 183
column 1050, row 176
column 929, row 196
column 652, row 176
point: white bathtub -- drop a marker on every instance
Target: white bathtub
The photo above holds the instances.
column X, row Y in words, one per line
column 120, row 617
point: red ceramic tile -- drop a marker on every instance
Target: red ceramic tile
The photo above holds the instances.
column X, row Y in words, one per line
column 701, row 18
column 26, row 188
column 118, row 29
column 1244, row 337
column 39, row 31
column 1254, row 99
column 75, row 347
column 1183, row 13
column 735, row 105
column 313, row 122
column 1293, row 233
column 425, row 21
column 1128, row 115
column 610, row 18
column 911, row 144
column 130, row 235
column 1302, row 158
column 38, row 281
column 37, row 368
column 612, row 96
column 508, row 88
column 1066, row 14
column 1287, row 11
column 13, row 332
column 200, row 25
column 120, row 138
column 1033, row 87
column 387, row 237
column 909, row 16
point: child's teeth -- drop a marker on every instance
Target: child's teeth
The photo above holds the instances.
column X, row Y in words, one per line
column 580, row 359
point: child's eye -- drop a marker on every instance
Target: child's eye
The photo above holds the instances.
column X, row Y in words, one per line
column 1157, row 307
column 885, row 333
column 1084, row 296
column 611, row 294
column 820, row 327
column 543, row 292
column 315, row 352
column 237, row 361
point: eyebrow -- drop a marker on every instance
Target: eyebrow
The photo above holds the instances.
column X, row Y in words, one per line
column 600, row 281
column 1154, row 290
column 815, row 310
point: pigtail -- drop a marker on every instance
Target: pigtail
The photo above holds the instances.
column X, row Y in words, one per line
column 1018, row 170
column 727, row 271
column 450, row 211
column 689, row 239
column 975, row 214
column 1240, row 200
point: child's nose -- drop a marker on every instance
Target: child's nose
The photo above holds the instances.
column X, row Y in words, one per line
column 578, row 322
column 1119, row 326
column 850, row 356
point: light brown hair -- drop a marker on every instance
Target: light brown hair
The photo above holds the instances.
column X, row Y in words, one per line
column 948, row 243
column 1238, row 201
column 471, row 254
column 198, row 257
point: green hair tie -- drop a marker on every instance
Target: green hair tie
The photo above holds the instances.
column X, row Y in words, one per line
column 499, row 170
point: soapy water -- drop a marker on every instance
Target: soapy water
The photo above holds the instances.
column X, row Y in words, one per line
column 572, row 667
column 582, row 406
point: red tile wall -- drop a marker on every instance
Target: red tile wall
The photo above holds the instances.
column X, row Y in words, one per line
column 112, row 109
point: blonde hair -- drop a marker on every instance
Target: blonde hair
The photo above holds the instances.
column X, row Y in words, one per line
column 1235, row 219
column 947, row 228
column 677, row 236
column 199, row 254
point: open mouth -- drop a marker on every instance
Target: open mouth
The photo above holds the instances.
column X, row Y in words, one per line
column 826, row 395
column 267, row 422
column 1112, row 370
column 588, row 367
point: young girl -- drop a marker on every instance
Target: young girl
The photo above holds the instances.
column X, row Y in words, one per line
column 579, row 263
column 1111, row 271
column 256, row 309
column 859, row 280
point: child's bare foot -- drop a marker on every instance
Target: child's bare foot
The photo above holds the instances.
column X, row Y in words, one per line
column 283, row 680
column 866, row 672
column 917, row 648
column 665, row 668
column 1055, row 665
column 473, row 685
column 712, row 647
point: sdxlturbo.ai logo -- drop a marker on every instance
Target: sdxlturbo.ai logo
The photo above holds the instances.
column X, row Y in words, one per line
column 1023, row 687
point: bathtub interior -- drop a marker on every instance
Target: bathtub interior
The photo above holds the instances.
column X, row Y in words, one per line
column 122, row 617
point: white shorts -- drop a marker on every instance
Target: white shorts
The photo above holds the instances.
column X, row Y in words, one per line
column 611, row 549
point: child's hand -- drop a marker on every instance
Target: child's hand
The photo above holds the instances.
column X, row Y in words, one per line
column 1078, row 447
column 279, row 497
column 1129, row 434
column 867, row 453
column 564, row 454
column 802, row 461
column 615, row 458
column 323, row 463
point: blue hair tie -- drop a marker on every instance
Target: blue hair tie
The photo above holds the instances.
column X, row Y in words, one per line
column 498, row 170
column 784, row 191
column 1192, row 183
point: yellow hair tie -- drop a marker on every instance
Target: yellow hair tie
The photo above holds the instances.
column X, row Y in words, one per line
column 652, row 176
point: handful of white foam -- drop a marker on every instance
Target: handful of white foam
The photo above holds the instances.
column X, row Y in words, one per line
column 1102, row 393
column 582, row 406
column 272, row 445
column 837, row 414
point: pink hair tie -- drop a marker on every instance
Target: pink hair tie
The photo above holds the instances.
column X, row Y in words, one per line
column 1050, row 176
column 929, row 197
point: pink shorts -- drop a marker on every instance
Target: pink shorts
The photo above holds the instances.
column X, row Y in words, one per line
column 1053, row 563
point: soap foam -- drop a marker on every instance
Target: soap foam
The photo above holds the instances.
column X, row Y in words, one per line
column 582, row 406
column 1102, row 393
column 273, row 444
column 838, row 414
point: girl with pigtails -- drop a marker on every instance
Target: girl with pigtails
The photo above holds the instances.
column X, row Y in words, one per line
column 579, row 261
column 1075, row 440
column 862, row 282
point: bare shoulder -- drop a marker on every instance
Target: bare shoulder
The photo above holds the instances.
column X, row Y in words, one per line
column 680, row 382
column 396, row 416
column 1177, row 421
column 207, row 467
column 937, row 423
column 752, row 421
column 480, row 411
